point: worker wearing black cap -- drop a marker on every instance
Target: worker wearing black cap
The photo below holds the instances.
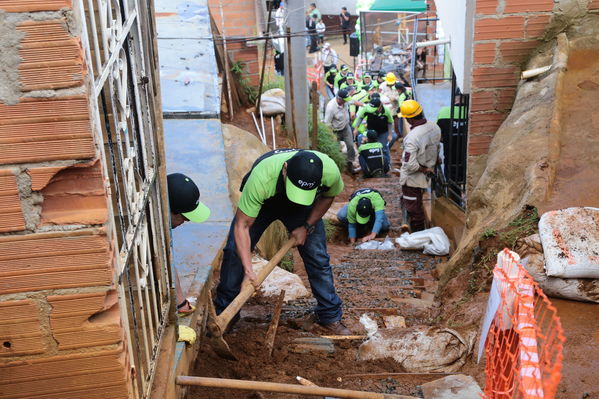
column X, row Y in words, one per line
column 364, row 215
column 371, row 155
column 296, row 187
column 185, row 206
column 378, row 118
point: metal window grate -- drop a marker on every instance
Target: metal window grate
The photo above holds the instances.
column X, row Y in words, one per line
column 120, row 59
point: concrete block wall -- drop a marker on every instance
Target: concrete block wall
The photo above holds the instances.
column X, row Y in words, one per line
column 61, row 335
column 240, row 21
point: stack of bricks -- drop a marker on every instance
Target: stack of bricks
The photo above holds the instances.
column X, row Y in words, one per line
column 506, row 32
column 61, row 334
column 239, row 23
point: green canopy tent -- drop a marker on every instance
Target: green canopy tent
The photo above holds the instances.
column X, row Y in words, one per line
column 399, row 5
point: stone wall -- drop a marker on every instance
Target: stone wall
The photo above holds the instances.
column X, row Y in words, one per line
column 61, row 334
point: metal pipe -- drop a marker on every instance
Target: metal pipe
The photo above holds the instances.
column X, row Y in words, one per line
column 256, row 124
column 433, row 42
column 272, row 125
column 263, row 130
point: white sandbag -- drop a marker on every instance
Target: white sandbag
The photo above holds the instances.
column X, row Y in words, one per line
column 570, row 239
column 576, row 289
column 280, row 279
column 432, row 241
column 272, row 102
column 420, row 349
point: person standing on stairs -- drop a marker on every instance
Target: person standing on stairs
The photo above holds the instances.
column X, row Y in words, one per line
column 364, row 215
column 336, row 116
column 296, row 187
column 420, row 155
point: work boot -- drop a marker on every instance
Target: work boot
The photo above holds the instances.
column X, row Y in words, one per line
column 335, row 328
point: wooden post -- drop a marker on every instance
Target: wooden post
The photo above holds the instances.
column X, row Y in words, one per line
column 269, row 342
column 269, row 3
column 315, row 103
column 289, row 77
column 284, row 388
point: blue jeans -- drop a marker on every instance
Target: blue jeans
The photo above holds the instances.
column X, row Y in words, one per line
column 382, row 138
column 313, row 252
column 363, row 229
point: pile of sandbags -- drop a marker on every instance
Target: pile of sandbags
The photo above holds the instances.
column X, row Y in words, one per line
column 564, row 257
column 272, row 102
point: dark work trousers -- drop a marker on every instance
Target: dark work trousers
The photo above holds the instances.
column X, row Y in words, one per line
column 346, row 32
column 313, row 252
column 412, row 202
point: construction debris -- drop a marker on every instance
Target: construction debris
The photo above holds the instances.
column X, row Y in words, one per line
column 432, row 241
column 312, row 344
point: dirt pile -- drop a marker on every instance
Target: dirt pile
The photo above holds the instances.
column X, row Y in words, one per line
column 542, row 155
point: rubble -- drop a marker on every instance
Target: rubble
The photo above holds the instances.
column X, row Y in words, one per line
column 452, row 387
column 279, row 280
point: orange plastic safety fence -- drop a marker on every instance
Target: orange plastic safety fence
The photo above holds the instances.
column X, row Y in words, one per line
column 314, row 75
column 525, row 341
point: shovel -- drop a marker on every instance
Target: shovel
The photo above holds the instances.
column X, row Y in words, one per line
column 218, row 324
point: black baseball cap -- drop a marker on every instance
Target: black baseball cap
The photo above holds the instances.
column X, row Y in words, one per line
column 372, row 135
column 184, row 198
column 363, row 210
column 304, row 175
column 375, row 102
column 343, row 94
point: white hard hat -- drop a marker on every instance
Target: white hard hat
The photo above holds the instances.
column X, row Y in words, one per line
column 327, row 45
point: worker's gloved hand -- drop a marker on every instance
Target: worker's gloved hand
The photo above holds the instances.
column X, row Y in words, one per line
column 369, row 237
column 300, row 235
column 251, row 278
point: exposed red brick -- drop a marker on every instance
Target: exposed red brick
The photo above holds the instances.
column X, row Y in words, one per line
column 490, row 77
column 52, row 59
column 517, row 51
column 484, row 53
column 85, row 320
column 46, row 261
column 505, row 99
column 486, row 123
column 482, row 101
column 514, row 6
column 34, row 5
column 502, row 28
column 45, row 129
column 593, row 5
column 478, row 145
column 486, row 7
column 75, row 195
column 41, row 176
column 535, row 27
column 11, row 215
column 20, row 332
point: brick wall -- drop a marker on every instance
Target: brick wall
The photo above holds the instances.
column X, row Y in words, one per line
column 240, row 21
column 61, row 334
column 505, row 34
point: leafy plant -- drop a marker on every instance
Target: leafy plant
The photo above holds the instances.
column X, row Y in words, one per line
column 238, row 69
column 489, row 233
column 524, row 225
column 287, row 262
column 276, row 82
column 328, row 143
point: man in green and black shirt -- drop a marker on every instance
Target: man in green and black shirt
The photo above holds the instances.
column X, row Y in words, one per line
column 341, row 76
column 371, row 155
column 378, row 118
column 364, row 215
column 329, row 80
column 296, row 187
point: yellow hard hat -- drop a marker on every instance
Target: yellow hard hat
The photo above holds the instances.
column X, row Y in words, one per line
column 390, row 78
column 410, row 109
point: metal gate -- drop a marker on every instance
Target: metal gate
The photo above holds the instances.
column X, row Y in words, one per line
column 117, row 37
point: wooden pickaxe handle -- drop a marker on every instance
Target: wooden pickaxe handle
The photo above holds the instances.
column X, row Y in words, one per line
column 223, row 319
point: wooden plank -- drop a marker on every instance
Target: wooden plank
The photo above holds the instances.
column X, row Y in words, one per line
column 269, row 341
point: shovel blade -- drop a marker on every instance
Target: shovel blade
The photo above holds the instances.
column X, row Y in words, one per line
column 221, row 348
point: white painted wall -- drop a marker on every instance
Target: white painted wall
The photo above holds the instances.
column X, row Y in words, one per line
column 457, row 20
column 333, row 7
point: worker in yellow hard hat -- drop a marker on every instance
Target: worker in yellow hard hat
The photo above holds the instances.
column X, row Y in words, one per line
column 419, row 158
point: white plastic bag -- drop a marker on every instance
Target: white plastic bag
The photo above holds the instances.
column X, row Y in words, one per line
column 374, row 244
column 570, row 239
column 369, row 325
column 432, row 241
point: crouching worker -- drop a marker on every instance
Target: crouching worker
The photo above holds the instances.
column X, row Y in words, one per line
column 296, row 187
column 371, row 156
column 364, row 215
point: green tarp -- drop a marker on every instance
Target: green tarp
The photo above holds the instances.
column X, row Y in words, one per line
column 399, row 5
